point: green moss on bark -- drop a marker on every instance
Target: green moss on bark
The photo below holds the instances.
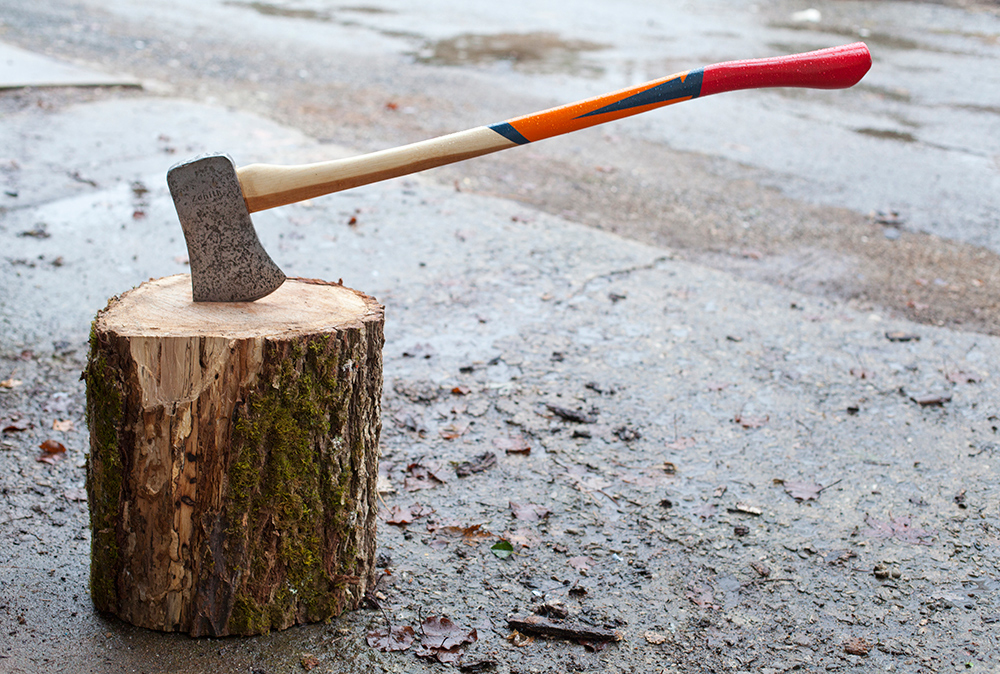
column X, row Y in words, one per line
column 105, row 409
column 291, row 484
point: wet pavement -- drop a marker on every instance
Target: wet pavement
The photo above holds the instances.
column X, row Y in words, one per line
column 739, row 476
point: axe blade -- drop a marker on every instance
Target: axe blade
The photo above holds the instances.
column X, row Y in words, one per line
column 228, row 264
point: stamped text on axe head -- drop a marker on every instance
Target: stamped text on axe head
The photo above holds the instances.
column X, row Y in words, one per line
column 228, row 264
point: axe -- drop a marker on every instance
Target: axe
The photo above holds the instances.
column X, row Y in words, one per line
column 214, row 199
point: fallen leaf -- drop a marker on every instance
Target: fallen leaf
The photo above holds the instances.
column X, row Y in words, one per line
column 473, row 534
column 446, row 656
column 513, row 444
column 524, row 538
column 839, row 556
column 857, row 646
column 654, row 638
column 63, row 426
column 594, row 483
column 309, row 662
column 701, row 595
column 10, row 383
column 478, row 464
column 528, row 512
column 597, row 387
column 502, row 549
column 461, row 390
column 16, row 426
column 576, row 416
column 399, row 515
column 470, row 535
column 747, row 509
column 396, row 638
column 420, row 476
column 441, row 632
column 410, row 422
column 581, row 563
column 454, row 430
column 931, row 399
column 519, row 640
column 750, row 422
column 802, row 491
column 900, row 336
column 953, row 376
column 627, row 433
column 51, row 451
column 899, row 528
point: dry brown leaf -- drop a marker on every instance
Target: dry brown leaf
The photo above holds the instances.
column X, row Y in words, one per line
column 62, row 425
column 751, row 422
column 514, row 444
column 454, row 430
column 857, row 646
column 953, row 376
column 528, row 512
column 681, row 443
column 396, row 638
column 802, row 491
column 654, row 638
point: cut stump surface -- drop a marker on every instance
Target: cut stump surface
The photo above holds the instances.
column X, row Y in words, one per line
column 234, row 456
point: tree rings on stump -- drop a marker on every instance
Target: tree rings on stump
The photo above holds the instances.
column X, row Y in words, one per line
column 234, row 456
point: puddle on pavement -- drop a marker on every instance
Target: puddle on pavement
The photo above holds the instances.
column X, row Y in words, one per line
column 887, row 134
column 901, row 95
column 536, row 52
column 871, row 38
column 270, row 9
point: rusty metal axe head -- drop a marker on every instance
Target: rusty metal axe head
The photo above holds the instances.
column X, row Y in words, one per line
column 228, row 264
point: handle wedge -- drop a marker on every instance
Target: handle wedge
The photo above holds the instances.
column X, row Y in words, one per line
column 267, row 186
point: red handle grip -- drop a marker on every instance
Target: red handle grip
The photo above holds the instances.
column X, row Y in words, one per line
column 834, row 68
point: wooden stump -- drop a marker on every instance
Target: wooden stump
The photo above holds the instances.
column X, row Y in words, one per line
column 234, row 456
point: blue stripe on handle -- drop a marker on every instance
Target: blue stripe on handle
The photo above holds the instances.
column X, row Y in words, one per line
column 510, row 133
column 671, row 90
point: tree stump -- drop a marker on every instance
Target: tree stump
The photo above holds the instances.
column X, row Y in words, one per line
column 234, row 456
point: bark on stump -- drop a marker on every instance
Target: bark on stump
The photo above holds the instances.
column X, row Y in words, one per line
column 234, row 456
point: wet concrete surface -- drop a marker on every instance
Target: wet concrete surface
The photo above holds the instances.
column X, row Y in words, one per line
column 716, row 399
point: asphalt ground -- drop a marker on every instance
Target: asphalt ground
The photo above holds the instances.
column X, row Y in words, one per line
column 773, row 480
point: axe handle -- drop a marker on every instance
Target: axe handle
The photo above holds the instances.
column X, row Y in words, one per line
column 267, row 186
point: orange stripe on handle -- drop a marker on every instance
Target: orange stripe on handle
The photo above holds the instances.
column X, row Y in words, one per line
column 587, row 113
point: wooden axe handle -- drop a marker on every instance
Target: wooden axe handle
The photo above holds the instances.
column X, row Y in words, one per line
column 267, row 186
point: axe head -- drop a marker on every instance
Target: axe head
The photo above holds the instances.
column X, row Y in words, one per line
column 228, row 264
